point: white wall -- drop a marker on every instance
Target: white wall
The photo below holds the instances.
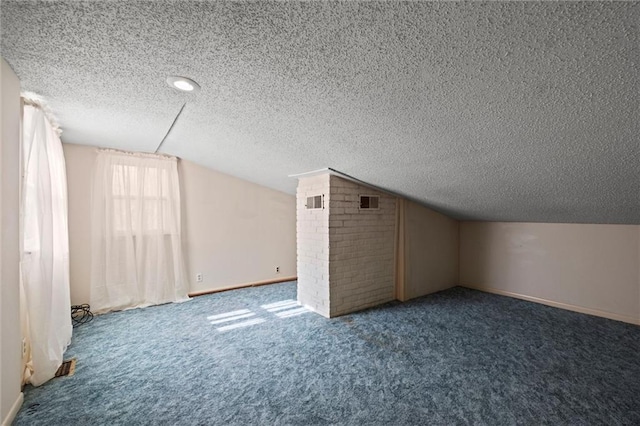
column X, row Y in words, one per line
column 234, row 232
column 430, row 251
column 10, row 334
column 587, row 268
column 79, row 162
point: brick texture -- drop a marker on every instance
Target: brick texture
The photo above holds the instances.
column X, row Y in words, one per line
column 361, row 248
column 312, row 230
column 346, row 256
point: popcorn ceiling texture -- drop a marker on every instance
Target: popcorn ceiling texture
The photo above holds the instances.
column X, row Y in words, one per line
column 512, row 111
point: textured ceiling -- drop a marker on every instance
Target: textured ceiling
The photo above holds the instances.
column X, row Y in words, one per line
column 489, row 111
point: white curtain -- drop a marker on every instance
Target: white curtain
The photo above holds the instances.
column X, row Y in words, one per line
column 45, row 246
column 136, row 239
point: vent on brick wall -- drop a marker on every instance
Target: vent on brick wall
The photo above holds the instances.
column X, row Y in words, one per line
column 369, row 202
column 315, row 202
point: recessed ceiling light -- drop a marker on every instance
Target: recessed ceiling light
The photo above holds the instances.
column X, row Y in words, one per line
column 183, row 84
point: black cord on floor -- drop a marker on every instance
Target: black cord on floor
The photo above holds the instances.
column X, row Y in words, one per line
column 80, row 314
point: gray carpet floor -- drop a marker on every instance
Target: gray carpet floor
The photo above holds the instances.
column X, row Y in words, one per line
column 251, row 357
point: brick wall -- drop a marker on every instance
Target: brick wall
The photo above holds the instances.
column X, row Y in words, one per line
column 346, row 255
column 361, row 248
column 312, row 229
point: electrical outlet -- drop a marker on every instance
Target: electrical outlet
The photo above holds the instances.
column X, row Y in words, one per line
column 24, row 347
column 277, row 269
column 199, row 277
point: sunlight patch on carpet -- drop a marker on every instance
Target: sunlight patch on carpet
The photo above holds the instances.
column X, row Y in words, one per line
column 228, row 314
column 240, row 324
column 233, row 318
column 292, row 312
column 276, row 306
column 281, row 309
column 285, row 308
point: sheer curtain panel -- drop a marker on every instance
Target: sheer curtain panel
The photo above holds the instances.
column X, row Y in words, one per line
column 45, row 246
column 136, row 255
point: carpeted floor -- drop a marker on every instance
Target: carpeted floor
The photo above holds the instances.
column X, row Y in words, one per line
column 241, row 357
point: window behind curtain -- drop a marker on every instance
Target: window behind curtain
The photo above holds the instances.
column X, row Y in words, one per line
column 141, row 199
column 137, row 257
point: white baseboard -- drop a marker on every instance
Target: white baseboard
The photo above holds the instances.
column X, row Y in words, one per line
column 569, row 307
column 237, row 286
column 14, row 410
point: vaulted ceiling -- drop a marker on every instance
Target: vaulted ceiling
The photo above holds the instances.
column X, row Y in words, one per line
column 488, row 111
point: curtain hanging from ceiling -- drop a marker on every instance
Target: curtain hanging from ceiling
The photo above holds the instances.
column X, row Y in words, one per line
column 136, row 254
column 45, row 246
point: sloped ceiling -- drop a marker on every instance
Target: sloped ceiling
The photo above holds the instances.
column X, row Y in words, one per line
column 486, row 111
